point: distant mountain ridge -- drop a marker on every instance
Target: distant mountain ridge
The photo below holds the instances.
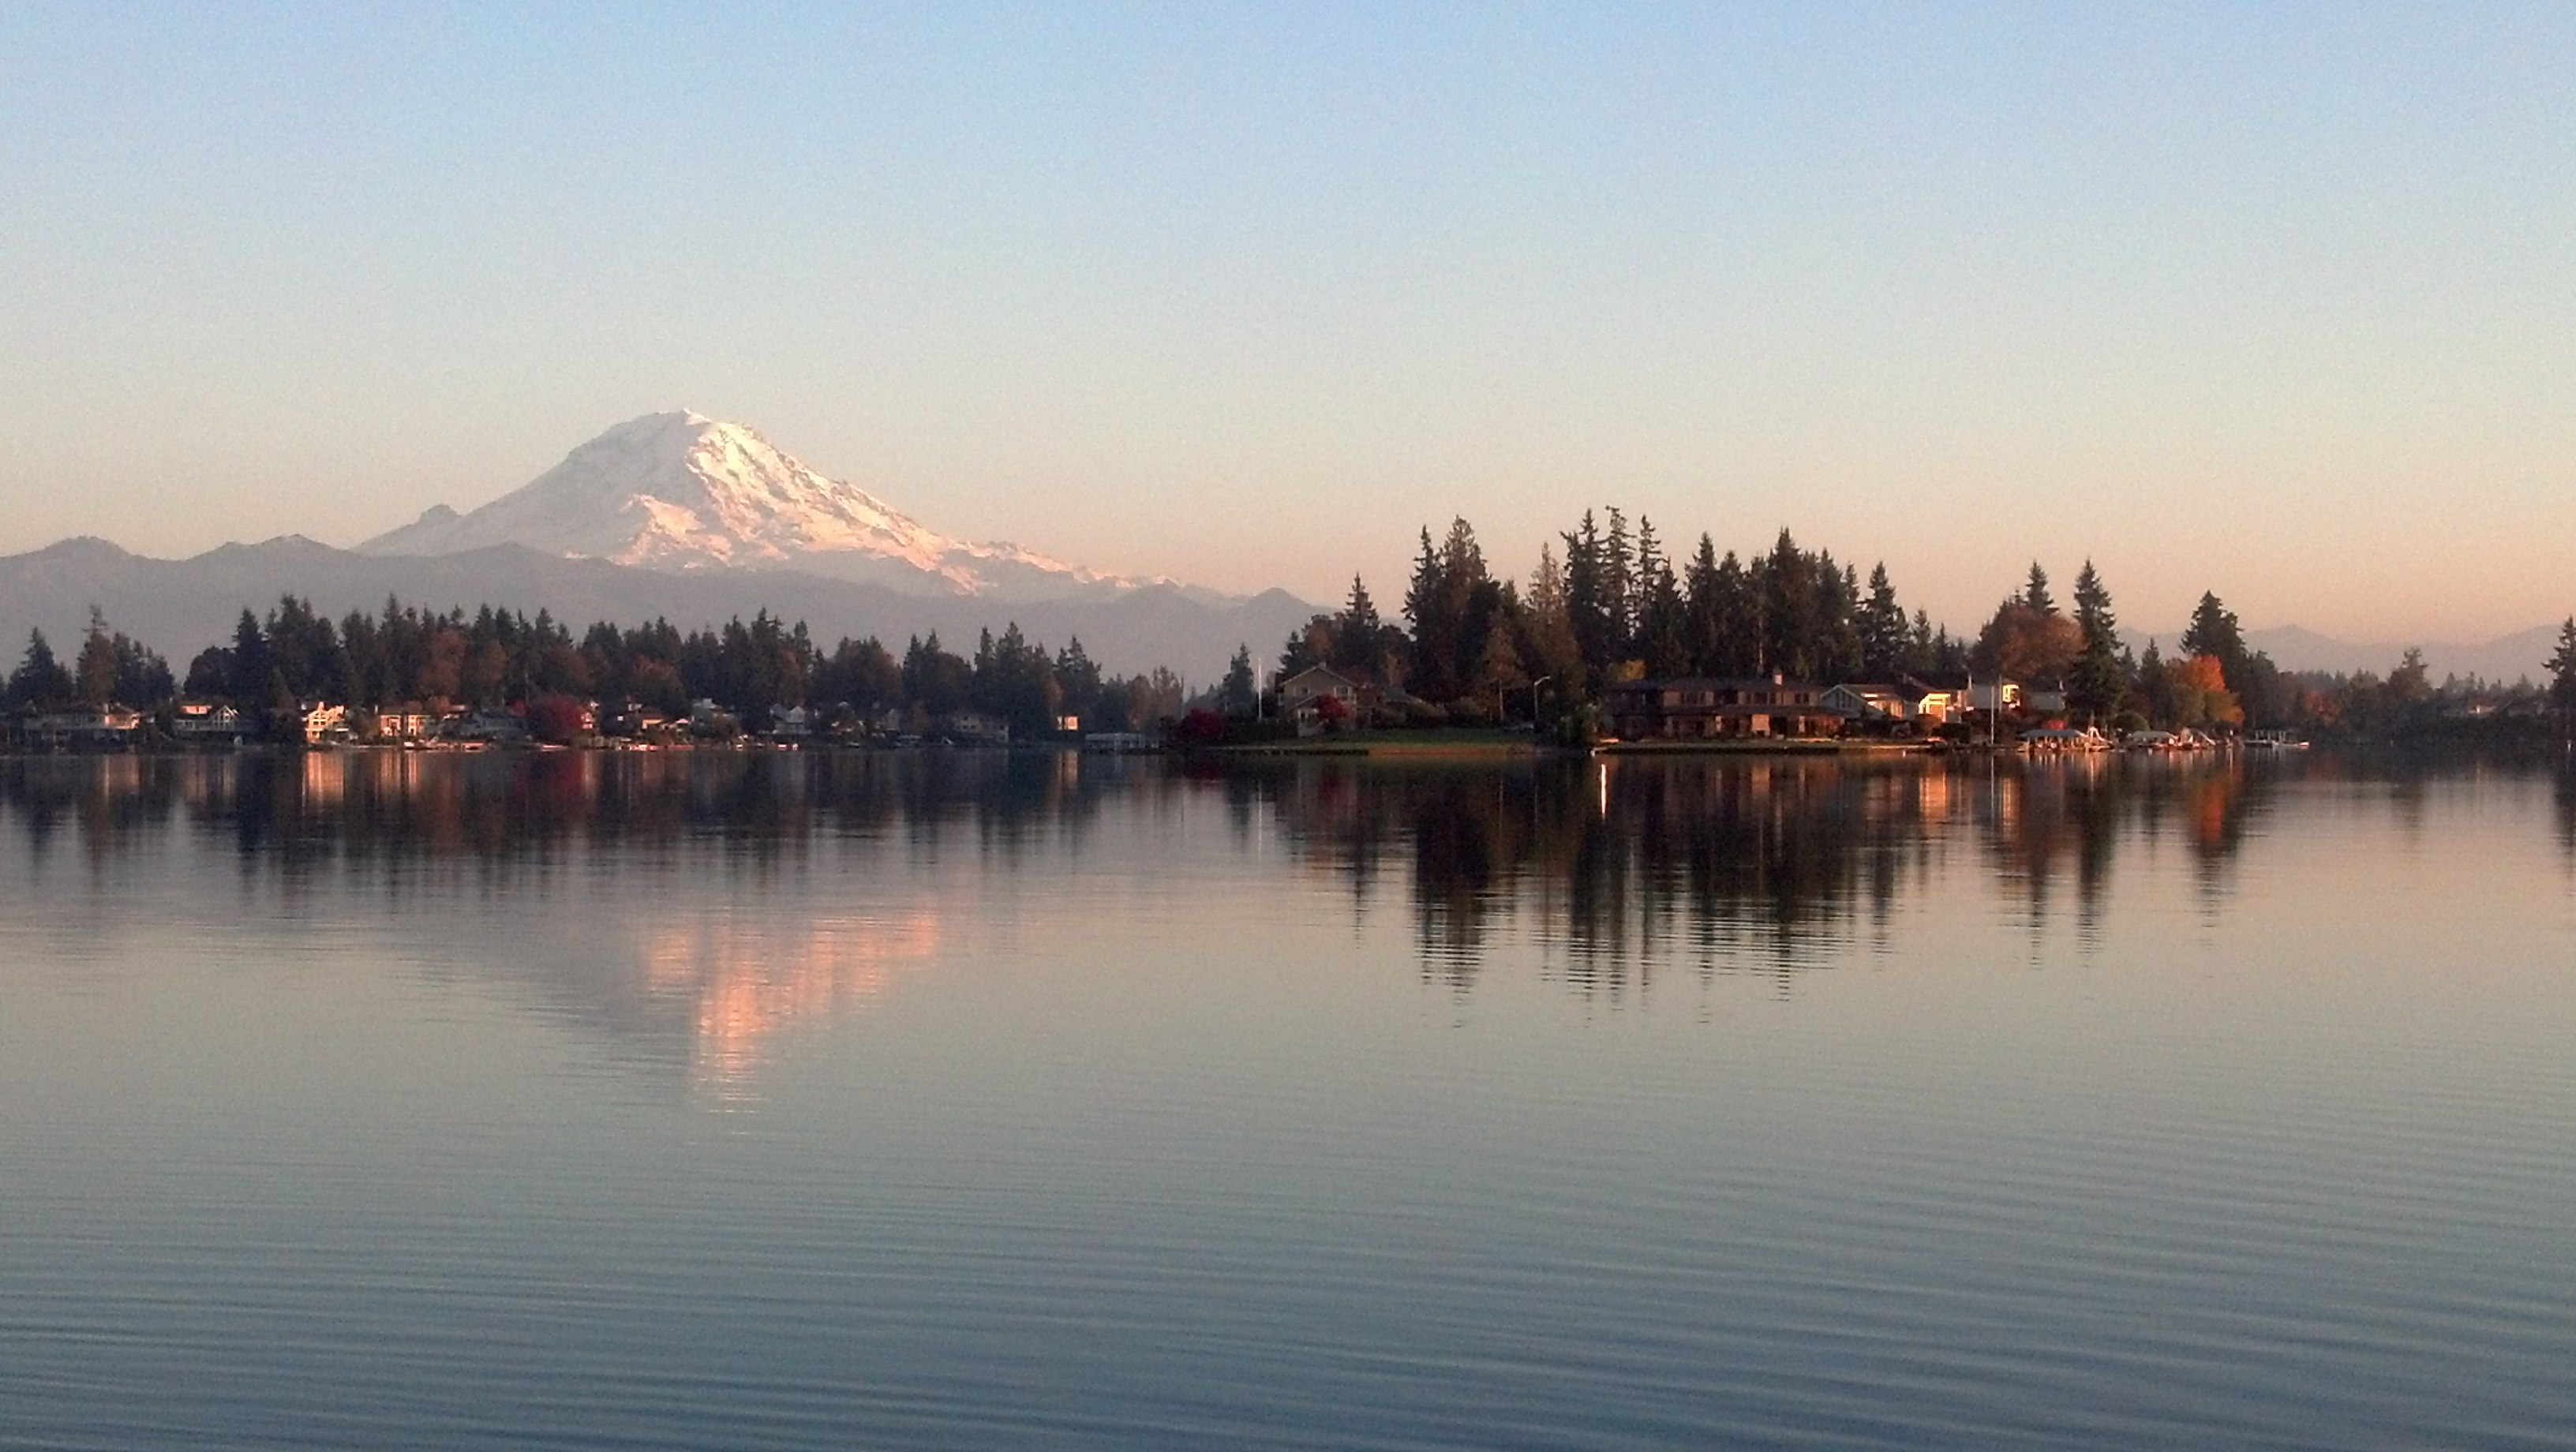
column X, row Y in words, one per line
column 681, row 491
column 179, row 607
column 672, row 515
column 2505, row 659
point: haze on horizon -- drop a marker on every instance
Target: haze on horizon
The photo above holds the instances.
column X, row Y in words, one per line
column 2258, row 299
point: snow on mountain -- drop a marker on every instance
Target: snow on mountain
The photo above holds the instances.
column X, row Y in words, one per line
column 679, row 491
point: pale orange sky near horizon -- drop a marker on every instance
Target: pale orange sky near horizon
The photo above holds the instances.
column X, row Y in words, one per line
column 2242, row 299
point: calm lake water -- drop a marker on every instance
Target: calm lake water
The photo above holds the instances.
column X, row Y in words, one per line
column 968, row 1100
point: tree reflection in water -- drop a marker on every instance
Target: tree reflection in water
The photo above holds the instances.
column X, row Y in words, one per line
column 1614, row 866
column 684, row 907
column 1620, row 865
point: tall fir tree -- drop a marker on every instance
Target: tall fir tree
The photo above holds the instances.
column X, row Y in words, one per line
column 2562, row 668
column 2099, row 684
column 40, row 680
column 1239, row 694
column 2034, row 592
column 1703, row 612
column 1661, row 638
column 1885, row 643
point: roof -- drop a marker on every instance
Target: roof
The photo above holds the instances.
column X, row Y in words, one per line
column 1318, row 670
column 1712, row 683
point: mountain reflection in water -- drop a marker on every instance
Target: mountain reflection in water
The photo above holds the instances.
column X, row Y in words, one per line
column 1615, row 868
column 935, row 1099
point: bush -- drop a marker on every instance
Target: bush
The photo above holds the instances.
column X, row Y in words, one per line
column 557, row 718
column 1200, row 728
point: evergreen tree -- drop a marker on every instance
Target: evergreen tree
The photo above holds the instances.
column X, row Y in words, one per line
column 2213, row 632
column 1703, row 613
column 1591, row 610
column 1013, row 680
column 1363, row 645
column 2093, row 609
column 1618, row 585
column 250, row 663
column 1835, row 653
column 1662, row 636
column 2562, row 668
column 935, row 680
column 2410, row 684
column 1787, row 586
column 1924, row 650
column 1359, row 613
column 2099, row 683
column 1742, row 624
column 94, row 677
column 40, row 682
column 2035, row 593
column 1548, row 635
column 1078, row 682
column 1885, row 645
column 1239, row 694
column 1452, row 604
column 2156, row 689
column 2250, row 675
column 1434, row 643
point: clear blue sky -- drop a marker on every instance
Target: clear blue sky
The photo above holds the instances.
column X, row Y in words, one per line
column 2270, row 300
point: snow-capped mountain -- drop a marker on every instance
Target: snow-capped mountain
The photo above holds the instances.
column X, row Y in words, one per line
column 679, row 491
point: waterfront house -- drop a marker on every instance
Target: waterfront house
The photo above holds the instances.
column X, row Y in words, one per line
column 974, row 728
column 1963, row 693
column 206, row 721
column 1911, row 699
column 409, row 721
column 1717, row 709
column 1302, row 696
column 1874, row 701
column 321, row 721
column 628, row 719
column 80, row 728
column 491, row 724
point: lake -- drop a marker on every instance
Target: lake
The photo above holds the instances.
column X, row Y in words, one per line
column 956, row 1099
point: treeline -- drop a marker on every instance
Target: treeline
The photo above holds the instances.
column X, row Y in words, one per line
column 109, row 667
column 1616, row 605
column 497, row 657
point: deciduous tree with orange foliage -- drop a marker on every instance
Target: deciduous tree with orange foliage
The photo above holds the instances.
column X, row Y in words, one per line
column 2200, row 693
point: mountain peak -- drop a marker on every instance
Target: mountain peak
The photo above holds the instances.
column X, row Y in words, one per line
column 683, row 491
